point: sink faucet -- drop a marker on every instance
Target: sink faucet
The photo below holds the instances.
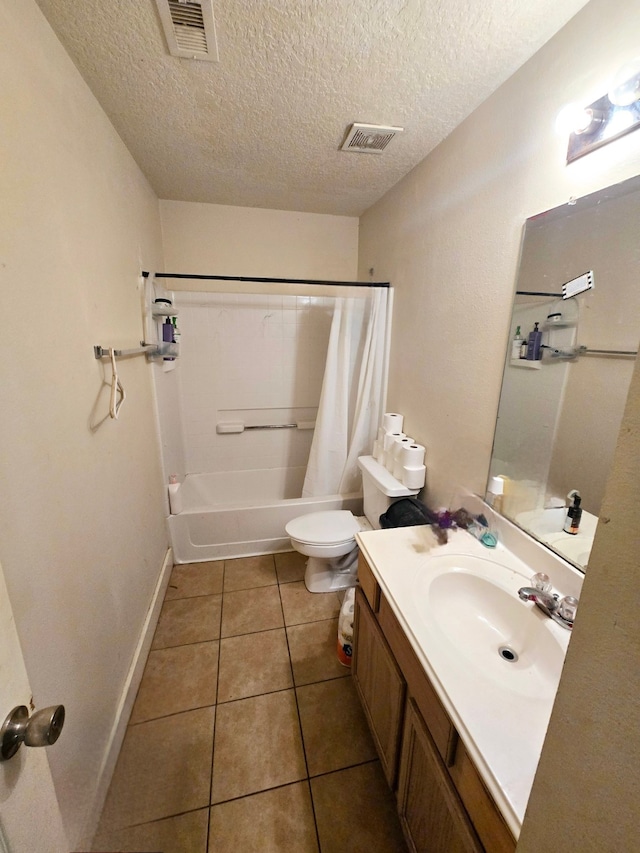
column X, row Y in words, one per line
column 562, row 612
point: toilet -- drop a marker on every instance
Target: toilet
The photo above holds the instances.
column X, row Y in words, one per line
column 328, row 538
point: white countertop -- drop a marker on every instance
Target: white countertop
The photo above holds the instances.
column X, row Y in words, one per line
column 502, row 728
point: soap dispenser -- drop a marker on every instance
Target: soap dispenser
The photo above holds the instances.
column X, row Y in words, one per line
column 534, row 344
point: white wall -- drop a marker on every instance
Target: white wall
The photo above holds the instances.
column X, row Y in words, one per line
column 217, row 239
column 81, row 528
column 253, row 359
column 448, row 236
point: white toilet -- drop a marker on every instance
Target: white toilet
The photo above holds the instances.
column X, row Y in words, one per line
column 328, row 538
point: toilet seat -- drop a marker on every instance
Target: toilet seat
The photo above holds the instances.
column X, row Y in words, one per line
column 324, row 529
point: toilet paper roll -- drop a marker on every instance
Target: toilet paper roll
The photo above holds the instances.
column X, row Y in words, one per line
column 376, row 450
column 397, row 451
column 390, row 438
column 392, row 451
column 381, row 435
column 414, row 477
column 412, row 455
column 392, row 422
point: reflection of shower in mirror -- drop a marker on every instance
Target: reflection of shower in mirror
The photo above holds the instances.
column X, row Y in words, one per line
column 558, row 424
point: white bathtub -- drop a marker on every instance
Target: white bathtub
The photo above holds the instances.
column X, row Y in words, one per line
column 243, row 513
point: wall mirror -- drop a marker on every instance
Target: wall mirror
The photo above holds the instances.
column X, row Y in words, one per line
column 559, row 414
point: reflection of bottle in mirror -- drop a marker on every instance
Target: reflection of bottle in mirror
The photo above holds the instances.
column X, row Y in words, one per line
column 534, row 345
column 495, row 493
column 574, row 514
column 516, row 345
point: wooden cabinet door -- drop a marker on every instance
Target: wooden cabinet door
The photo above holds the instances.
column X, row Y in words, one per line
column 380, row 685
column 431, row 814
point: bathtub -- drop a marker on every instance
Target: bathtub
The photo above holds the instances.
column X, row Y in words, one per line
column 243, row 513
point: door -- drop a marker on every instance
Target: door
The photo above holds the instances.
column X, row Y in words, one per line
column 29, row 815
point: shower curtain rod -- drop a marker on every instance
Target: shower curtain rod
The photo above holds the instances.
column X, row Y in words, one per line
column 146, row 274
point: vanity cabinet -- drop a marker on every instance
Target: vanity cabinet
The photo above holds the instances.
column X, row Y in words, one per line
column 380, row 685
column 442, row 802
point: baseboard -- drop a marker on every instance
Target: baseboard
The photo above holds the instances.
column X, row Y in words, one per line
column 127, row 698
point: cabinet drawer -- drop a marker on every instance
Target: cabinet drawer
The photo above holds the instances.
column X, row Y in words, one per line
column 435, row 716
column 483, row 812
column 368, row 584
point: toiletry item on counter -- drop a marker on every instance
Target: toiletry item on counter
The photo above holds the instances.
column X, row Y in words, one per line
column 523, row 348
column 495, row 493
column 176, row 330
column 574, row 515
column 534, row 344
column 175, row 498
column 516, row 344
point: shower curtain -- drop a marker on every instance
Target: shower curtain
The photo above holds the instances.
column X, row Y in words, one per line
column 351, row 402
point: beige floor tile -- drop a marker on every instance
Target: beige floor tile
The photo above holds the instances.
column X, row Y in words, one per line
column 251, row 610
column 355, row 811
column 177, row 679
column 300, row 605
column 249, row 572
column 313, row 650
column 290, row 566
column 270, row 822
column 334, row 728
column 188, row 620
column 257, row 746
column 193, row 579
column 164, row 769
column 253, row 664
column 185, row 833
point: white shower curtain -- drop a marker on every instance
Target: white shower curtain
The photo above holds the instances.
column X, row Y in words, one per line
column 351, row 401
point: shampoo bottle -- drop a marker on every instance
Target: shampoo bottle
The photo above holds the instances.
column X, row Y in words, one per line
column 534, row 344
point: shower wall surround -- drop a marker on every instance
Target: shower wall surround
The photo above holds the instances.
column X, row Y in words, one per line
column 256, row 359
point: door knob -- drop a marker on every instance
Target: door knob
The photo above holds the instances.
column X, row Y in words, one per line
column 41, row 729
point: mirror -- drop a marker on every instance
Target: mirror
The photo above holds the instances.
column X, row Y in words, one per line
column 559, row 414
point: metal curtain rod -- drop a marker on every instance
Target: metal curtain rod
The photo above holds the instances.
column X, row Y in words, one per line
column 146, row 274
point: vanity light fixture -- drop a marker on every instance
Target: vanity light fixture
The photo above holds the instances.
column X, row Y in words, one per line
column 606, row 119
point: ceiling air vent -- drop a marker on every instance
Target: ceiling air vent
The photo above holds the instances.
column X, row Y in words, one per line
column 369, row 138
column 189, row 28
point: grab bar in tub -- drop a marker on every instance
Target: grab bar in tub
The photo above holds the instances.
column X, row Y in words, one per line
column 227, row 427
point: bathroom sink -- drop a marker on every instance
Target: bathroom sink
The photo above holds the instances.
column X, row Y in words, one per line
column 472, row 604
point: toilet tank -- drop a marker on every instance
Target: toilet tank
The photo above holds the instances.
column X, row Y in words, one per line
column 379, row 489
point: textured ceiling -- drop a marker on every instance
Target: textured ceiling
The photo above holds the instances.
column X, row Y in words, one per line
column 262, row 127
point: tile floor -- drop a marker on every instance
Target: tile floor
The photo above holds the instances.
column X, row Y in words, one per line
column 247, row 734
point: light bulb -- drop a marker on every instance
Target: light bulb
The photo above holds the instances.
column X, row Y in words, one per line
column 625, row 89
column 573, row 119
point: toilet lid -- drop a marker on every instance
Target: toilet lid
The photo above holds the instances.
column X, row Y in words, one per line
column 324, row 528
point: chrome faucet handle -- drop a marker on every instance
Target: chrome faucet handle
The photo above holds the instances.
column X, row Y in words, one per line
column 541, row 581
column 567, row 608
